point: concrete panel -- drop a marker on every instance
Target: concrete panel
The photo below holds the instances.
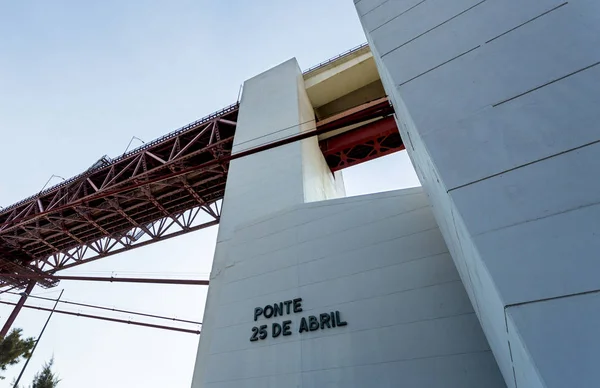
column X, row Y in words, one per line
column 404, row 307
column 401, row 277
column 404, row 27
column 448, row 40
column 373, row 233
column 429, row 372
column 280, row 220
column 561, row 341
column 471, row 87
column 364, row 6
column 387, row 11
column 390, row 277
column 566, row 263
column 274, row 105
column 256, row 362
column 271, row 243
column 370, row 92
column 530, row 128
column 438, row 337
column 497, row 103
column 283, row 279
column 269, row 106
column 521, row 195
column 382, row 254
column 359, row 217
column 290, row 380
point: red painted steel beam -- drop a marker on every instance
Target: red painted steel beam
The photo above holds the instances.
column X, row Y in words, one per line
column 359, row 145
column 357, row 114
column 59, row 227
column 128, row 322
column 360, row 135
column 16, row 310
column 188, row 282
column 372, row 109
column 377, row 108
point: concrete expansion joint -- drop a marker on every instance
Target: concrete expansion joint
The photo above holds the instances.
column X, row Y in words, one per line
column 373, row 9
column 397, row 16
column 512, row 362
column 432, row 28
column 480, row 45
column 551, row 298
column 528, row 21
column 525, row 165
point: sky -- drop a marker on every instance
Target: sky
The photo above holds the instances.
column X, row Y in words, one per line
column 78, row 79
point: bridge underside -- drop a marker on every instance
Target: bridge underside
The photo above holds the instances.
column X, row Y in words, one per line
column 175, row 184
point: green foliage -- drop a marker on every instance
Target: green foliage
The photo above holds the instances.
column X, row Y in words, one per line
column 13, row 347
column 45, row 378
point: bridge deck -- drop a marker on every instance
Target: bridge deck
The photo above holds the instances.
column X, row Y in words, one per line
column 168, row 187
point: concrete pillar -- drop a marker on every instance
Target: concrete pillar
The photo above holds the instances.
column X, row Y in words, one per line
column 274, row 105
column 497, row 101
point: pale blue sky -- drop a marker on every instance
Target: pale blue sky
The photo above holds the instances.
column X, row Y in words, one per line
column 78, row 79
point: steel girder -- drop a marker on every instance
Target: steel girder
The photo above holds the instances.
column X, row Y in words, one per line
column 163, row 189
column 367, row 142
column 171, row 186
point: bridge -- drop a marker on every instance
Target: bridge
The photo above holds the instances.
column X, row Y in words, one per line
column 165, row 188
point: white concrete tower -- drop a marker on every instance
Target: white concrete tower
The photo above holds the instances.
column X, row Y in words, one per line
column 310, row 291
column 274, row 105
column 497, row 101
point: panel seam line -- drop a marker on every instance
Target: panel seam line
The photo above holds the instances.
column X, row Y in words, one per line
column 433, row 28
column 524, row 165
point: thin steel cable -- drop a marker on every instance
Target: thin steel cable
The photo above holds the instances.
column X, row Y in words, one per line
column 112, row 309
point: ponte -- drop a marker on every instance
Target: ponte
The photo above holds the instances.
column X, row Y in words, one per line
column 487, row 276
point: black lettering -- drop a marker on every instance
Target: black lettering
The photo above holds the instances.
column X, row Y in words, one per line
column 276, row 330
column 325, row 320
column 313, row 323
column 303, row 325
column 257, row 313
column 286, row 328
column 287, row 304
column 254, row 334
column 278, row 309
column 333, row 319
column 338, row 320
column 268, row 311
column 298, row 305
column 262, row 332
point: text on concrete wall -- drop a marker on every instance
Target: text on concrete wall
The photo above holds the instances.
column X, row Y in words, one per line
column 324, row 321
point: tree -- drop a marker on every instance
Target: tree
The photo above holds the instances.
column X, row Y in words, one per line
column 13, row 347
column 46, row 378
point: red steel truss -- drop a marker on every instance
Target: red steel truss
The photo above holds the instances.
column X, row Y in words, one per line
column 130, row 201
column 367, row 142
column 171, row 186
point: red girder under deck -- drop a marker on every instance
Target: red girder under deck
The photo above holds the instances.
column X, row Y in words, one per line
column 130, row 201
column 166, row 188
column 367, row 142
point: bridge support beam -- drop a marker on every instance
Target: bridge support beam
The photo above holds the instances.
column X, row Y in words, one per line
column 17, row 309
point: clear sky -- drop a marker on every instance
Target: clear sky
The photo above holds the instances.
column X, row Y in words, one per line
column 78, row 79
